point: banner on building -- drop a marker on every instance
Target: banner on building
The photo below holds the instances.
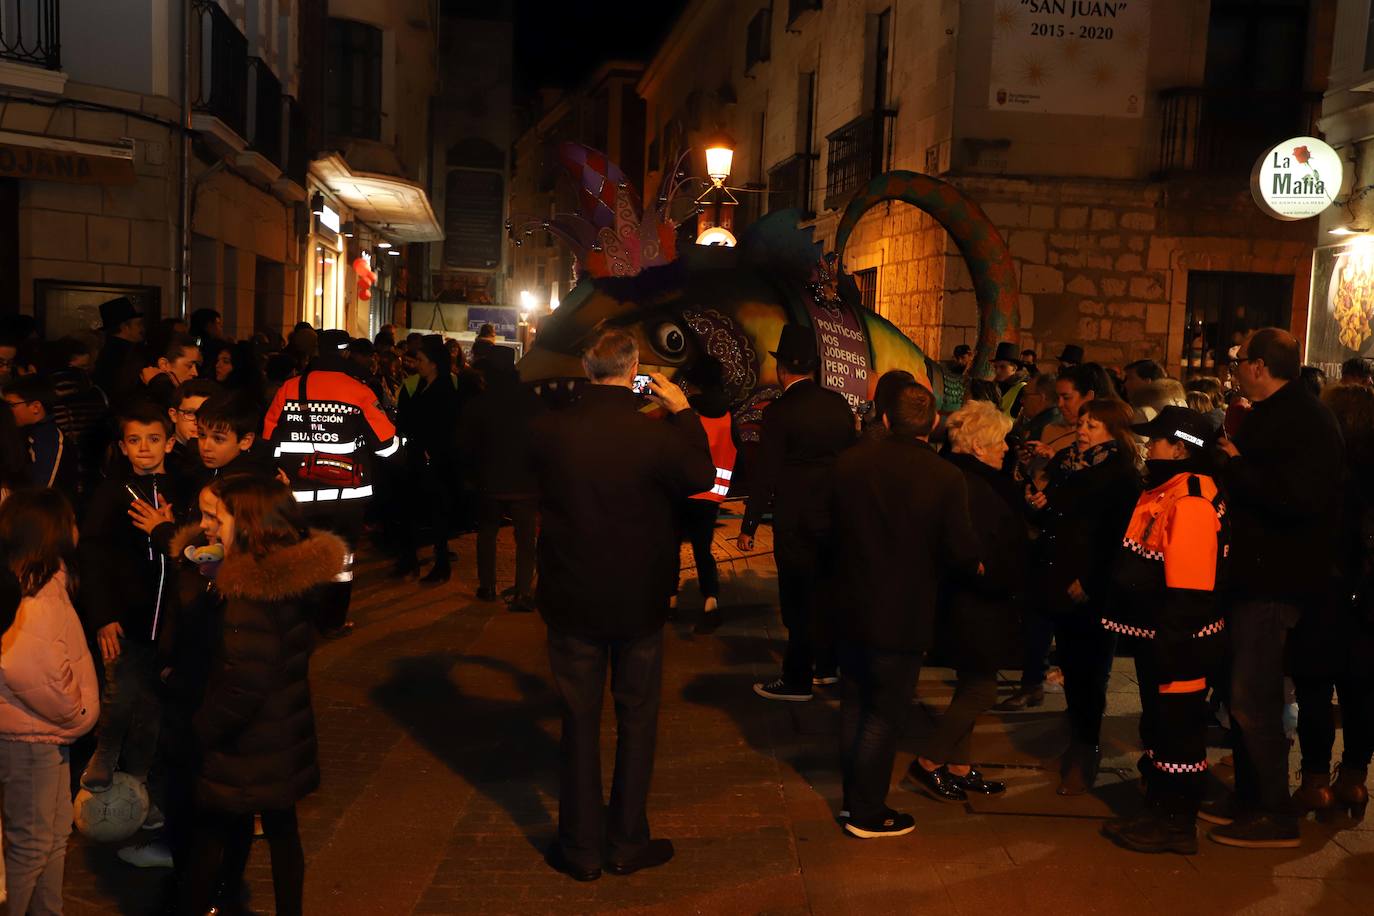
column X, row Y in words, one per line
column 1342, row 307
column 1076, row 57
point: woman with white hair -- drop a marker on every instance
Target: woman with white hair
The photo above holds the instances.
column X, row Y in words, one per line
column 978, row 626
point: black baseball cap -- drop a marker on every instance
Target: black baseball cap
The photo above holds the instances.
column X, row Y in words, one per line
column 1179, row 423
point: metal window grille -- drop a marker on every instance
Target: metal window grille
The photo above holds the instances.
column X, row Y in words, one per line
column 867, row 281
column 789, row 185
column 1220, row 130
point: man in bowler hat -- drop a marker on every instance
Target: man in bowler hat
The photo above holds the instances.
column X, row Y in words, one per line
column 803, row 432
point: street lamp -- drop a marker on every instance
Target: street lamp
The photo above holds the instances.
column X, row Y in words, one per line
column 720, row 155
column 526, row 300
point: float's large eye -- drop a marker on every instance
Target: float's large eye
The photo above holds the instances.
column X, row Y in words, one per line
column 670, row 340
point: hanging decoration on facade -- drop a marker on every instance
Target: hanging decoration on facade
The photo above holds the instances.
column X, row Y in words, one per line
column 367, row 277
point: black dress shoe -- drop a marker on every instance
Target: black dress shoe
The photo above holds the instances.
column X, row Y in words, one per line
column 436, row 576
column 559, row 862
column 974, row 782
column 938, row 784
column 658, row 852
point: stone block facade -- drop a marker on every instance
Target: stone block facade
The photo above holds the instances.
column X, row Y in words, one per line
column 1102, row 264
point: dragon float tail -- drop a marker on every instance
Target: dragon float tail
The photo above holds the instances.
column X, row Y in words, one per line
column 982, row 246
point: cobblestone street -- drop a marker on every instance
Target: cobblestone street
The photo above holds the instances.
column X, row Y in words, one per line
column 438, row 727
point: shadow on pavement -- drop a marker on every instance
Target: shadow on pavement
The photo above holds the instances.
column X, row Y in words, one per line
column 496, row 743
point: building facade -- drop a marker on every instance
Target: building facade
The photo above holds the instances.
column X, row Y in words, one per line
column 176, row 153
column 1111, row 145
column 605, row 113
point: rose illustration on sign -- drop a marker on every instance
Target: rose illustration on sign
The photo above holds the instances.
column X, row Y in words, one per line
column 1302, row 154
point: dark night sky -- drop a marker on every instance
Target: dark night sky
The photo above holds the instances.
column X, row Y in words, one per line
column 560, row 42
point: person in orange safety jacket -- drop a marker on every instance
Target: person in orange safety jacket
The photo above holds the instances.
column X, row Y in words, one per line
column 326, row 430
column 705, row 384
column 1166, row 579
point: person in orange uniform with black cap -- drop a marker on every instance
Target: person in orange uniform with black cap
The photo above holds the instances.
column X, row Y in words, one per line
column 1166, row 579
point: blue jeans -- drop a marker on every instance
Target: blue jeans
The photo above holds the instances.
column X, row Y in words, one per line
column 38, row 820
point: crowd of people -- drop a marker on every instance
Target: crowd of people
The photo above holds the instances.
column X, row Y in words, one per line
column 172, row 543
column 178, row 517
column 1217, row 530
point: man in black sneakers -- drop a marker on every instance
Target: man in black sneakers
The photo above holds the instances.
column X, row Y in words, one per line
column 610, row 480
column 803, row 432
column 1282, row 485
column 901, row 526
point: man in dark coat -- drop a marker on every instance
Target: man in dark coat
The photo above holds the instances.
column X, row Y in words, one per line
column 901, row 527
column 496, row 446
column 117, row 366
column 1283, row 486
column 610, row 479
column 803, row 432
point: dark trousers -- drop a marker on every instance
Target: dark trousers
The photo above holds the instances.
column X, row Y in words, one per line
column 1173, row 723
column 130, row 709
column 1085, row 657
column 1038, row 635
column 699, row 527
column 523, row 512
column 1259, row 632
column 801, row 580
column 220, row 850
column 952, row 740
column 335, row 597
column 579, row 665
column 431, row 499
column 1317, row 721
column 876, row 689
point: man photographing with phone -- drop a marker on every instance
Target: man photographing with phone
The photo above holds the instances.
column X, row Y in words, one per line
column 610, row 480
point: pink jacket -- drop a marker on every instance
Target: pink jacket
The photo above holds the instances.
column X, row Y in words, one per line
column 48, row 690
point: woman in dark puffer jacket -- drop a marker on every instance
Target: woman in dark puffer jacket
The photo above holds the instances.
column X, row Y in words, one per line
column 256, row 727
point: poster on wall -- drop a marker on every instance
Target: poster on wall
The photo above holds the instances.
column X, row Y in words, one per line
column 1340, row 320
column 1076, row 57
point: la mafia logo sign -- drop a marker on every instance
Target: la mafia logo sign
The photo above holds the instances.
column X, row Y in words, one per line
column 1297, row 179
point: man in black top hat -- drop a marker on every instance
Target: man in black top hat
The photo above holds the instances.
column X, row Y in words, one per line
column 1010, row 376
column 1071, row 357
column 803, row 433
column 116, row 369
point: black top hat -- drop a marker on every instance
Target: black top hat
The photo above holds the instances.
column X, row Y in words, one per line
column 1180, row 423
column 500, row 359
column 117, row 311
column 1007, row 353
column 796, row 348
column 1073, row 353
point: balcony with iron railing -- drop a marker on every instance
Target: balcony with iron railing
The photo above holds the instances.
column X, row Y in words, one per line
column 30, row 32
column 219, row 67
column 1223, row 131
column 855, row 155
column 265, row 111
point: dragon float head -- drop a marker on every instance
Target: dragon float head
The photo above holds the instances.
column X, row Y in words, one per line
column 690, row 303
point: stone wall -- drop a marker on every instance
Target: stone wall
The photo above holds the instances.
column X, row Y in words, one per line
column 1100, row 263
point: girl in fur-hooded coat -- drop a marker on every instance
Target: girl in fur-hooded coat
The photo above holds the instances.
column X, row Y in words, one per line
column 255, row 726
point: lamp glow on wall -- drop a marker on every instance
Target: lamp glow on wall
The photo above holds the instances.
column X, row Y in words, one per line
column 553, row 302
column 526, row 300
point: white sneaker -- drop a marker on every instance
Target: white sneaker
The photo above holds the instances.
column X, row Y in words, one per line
column 147, row 855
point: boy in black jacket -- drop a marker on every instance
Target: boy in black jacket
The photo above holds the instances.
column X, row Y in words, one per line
column 126, row 588
column 226, row 431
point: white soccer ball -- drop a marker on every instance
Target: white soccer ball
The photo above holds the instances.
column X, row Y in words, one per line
column 112, row 815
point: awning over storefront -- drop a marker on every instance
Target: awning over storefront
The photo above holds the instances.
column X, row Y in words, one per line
column 43, row 158
column 396, row 207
